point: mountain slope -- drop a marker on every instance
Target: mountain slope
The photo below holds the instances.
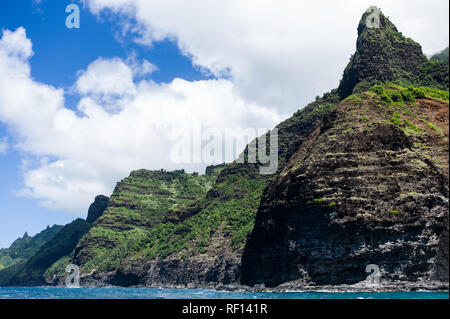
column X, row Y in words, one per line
column 30, row 272
column 441, row 56
column 202, row 243
column 138, row 203
column 369, row 186
column 26, row 246
column 362, row 178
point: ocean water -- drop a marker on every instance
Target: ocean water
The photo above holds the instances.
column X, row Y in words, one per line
column 150, row 293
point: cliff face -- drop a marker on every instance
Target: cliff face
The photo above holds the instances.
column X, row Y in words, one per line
column 369, row 186
column 97, row 208
column 152, row 235
column 361, row 180
column 138, row 204
column 201, row 244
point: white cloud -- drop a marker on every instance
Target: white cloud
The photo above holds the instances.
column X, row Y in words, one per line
column 84, row 153
column 4, row 146
column 278, row 53
column 140, row 68
column 16, row 44
column 106, row 77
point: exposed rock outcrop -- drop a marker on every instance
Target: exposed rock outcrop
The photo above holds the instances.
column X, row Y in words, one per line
column 97, row 208
column 382, row 54
column 360, row 190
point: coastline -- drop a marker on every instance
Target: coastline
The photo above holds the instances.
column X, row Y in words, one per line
column 383, row 286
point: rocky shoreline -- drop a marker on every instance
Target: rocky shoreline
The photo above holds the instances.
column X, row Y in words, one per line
column 383, row 286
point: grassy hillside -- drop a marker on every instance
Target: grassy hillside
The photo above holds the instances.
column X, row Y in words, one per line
column 26, row 246
column 138, row 203
column 31, row 273
column 441, row 56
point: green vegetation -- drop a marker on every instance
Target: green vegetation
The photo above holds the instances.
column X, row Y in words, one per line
column 396, row 96
column 435, row 128
column 396, row 119
column 391, row 93
column 390, row 45
column 432, row 93
column 378, row 89
column 441, row 56
column 433, row 74
column 139, row 203
column 230, row 214
column 159, row 214
column 408, row 97
column 384, row 95
column 417, row 93
column 7, row 273
column 146, row 196
column 323, row 201
column 26, row 246
column 405, row 124
column 412, row 127
column 62, row 244
column 58, row 268
column 354, row 98
column 319, row 110
column 154, row 215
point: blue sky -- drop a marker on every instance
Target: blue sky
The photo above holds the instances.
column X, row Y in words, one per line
column 59, row 54
column 91, row 109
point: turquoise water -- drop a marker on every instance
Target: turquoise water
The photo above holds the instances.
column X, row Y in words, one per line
column 147, row 293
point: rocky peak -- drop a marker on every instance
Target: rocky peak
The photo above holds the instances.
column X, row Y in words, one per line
column 382, row 54
column 374, row 19
column 97, row 208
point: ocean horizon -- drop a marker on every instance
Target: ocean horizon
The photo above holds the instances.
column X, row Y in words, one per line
column 159, row 293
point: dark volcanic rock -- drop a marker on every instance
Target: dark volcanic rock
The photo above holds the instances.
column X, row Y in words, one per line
column 97, row 208
column 355, row 194
column 442, row 271
column 198, row 272
column 382, row 54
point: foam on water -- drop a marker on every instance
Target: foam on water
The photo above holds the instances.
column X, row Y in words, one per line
column 158, row 293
